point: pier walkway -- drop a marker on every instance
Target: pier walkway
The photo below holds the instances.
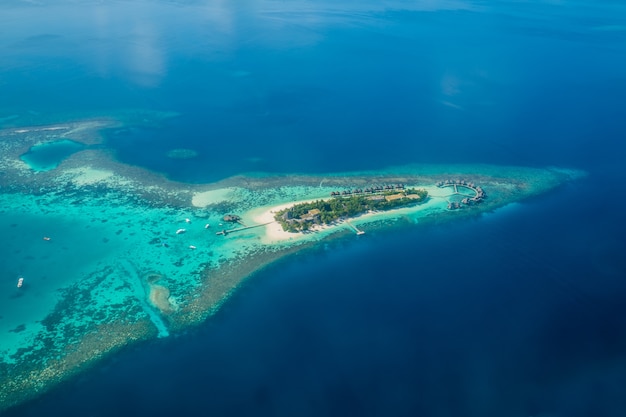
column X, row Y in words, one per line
column 239, row 229
column 356, row 229
column 479, row 193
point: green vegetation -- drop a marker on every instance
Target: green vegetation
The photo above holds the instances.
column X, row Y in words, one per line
column 301, row 217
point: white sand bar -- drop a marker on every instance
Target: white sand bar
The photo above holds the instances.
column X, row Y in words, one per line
column 205, row 198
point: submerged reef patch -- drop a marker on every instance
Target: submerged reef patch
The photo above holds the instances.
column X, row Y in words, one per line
column 182, row 154
column 131, row 255
column 159, row 294
column 159, row 297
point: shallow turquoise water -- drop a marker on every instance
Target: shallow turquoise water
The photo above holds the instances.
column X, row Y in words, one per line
column 47, row 156
column 88, row 237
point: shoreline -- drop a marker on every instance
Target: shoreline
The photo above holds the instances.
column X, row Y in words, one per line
column 275, row 234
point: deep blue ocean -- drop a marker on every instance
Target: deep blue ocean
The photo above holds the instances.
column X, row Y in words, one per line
column 518, row 313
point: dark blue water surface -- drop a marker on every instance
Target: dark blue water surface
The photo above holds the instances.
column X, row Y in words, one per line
column 517, row 313
column 293, row 86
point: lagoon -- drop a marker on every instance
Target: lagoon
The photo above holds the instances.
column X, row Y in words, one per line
column 47, row 156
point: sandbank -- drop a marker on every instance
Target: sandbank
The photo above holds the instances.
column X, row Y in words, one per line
column 220, row 195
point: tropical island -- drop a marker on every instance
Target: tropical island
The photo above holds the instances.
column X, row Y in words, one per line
column 301, row 217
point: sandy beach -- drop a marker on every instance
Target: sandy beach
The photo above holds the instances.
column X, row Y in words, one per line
column 274, row 232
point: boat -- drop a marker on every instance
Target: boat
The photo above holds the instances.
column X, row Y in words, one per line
column 20, row 282
column 46, row 238
column 187, row 221
column 206, row 226
column 180, row 231
column 192, row 247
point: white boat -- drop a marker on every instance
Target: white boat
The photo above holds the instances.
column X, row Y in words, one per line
column 187, row 221
column 20, row 282
column 180, row 231
column 206, row 226
column 192, row 247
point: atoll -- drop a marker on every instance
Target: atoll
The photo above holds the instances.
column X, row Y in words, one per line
column 114, row 270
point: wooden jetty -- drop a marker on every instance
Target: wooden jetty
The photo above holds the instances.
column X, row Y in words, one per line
column 233, row 218
column 239, row 229
column 356, row 229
